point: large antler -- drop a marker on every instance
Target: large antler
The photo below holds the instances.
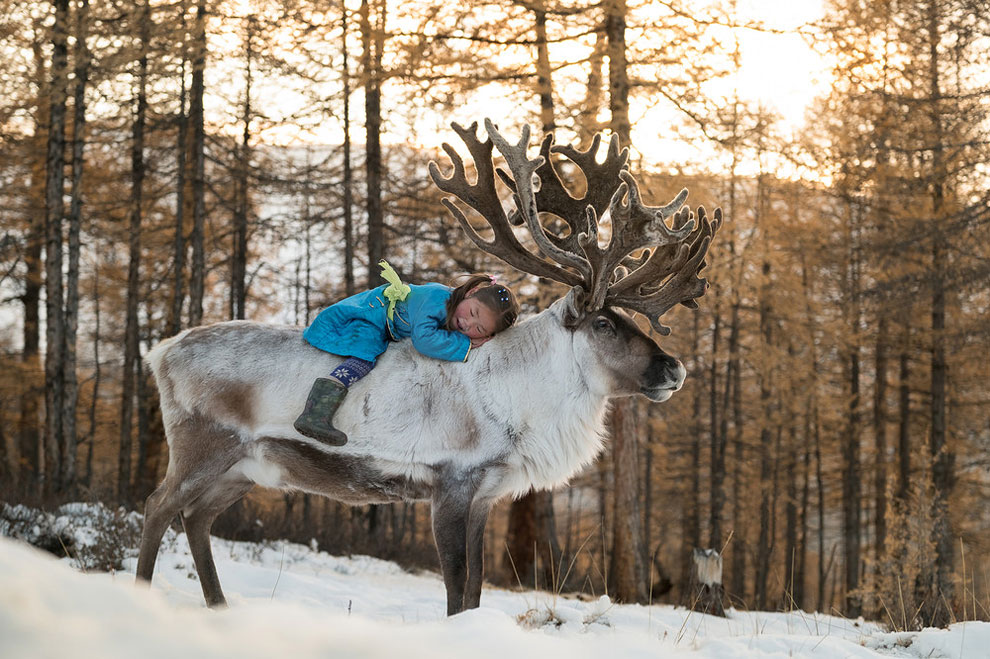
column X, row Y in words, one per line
column 669, row 257
column 668, row 274
column 483, row 197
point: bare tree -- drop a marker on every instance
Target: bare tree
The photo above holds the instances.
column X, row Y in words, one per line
column 373, row 44
column 29, row 438
column 348, row 176
column 197, row 272
column 54, row 291
column 242, row 167
column 182, row 149
column 142, row 17
column 81, row 73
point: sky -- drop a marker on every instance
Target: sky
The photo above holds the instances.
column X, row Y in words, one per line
column 289, row 600
column 781, row 69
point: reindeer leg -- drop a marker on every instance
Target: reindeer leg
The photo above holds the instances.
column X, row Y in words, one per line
column 160, row 509
column 197, row 520
column 476, row 552
column 451, row 509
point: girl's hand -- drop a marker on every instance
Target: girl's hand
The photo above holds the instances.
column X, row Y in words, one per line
column 478, row 342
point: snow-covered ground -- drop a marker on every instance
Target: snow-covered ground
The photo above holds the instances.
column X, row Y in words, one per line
column 287, row 600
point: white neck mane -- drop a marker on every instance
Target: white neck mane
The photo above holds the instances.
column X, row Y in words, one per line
column 553, row 396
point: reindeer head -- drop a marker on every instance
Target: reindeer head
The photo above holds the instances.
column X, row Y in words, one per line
column 646, row 266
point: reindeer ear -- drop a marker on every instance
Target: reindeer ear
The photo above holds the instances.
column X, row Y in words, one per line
column 575, row 307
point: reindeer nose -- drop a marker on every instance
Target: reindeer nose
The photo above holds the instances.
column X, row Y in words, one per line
column 664, row 372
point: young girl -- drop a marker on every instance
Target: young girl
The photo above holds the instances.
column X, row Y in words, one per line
column 443, row 322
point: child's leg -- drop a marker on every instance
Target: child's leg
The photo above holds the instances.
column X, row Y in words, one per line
column 325, row 397
column 351, row 370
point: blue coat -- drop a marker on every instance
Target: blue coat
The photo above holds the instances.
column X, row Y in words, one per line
column 358, row 327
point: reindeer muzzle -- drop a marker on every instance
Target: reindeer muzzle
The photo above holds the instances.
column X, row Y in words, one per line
column 662, row 378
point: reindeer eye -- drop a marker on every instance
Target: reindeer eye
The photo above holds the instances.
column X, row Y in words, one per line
column 604, row 324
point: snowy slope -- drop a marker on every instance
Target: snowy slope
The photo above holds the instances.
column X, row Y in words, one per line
column 287, row 600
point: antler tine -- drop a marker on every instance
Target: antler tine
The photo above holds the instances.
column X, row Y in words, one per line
column 483, row 197
column 522, row 169
column 602, row 178
column 661, row 261
column 635, row 226
column 638, row 225
column 683, row 284
column 553, row 197
column 547, row 178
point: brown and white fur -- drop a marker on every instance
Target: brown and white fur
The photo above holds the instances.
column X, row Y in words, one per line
column 525, row 411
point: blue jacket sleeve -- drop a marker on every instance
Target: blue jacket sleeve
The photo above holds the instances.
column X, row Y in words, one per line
column 427, row 311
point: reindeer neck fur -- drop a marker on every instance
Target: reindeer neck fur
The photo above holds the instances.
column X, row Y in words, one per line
column 557, row 399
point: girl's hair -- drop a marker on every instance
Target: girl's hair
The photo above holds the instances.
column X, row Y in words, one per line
column 496, row 297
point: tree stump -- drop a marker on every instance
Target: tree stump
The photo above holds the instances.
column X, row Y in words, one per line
column 706, row 582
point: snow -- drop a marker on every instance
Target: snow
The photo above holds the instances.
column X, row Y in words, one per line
column 290, row 600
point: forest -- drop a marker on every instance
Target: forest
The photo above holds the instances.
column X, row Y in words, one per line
column 171, row 163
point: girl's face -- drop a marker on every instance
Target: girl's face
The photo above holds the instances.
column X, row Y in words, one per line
column 474, row 319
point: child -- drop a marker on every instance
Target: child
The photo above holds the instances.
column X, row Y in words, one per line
column 443, row 323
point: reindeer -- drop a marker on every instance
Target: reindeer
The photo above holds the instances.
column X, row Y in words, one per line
column 525, row 411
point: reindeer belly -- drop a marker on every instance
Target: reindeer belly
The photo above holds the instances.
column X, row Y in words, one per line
column 289, row 464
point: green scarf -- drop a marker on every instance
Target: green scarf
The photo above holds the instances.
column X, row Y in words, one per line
column 396, row 291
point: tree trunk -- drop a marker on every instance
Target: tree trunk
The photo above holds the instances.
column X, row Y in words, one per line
column 588, row 125
column 131, row 331
column 691, row 510
column 628, row 572
column 618, row 79
column 791, row 510
column 95, row 396
column 820, row 486
column 372, row 39
column 544, row 86
column 69, row 434
column 880, row 438
column 811, row 447
column 942, row 456
column 765, row 539
column 649, row 554
column 716, row 483
column 54, row 191
column 197, row 272
column 152, row 435
column 28, row 436
column 852, row 473
column 732, row 399
column 238, row 261
column 174, row 324
column 801, row 573
column 141, row 489
column 904, row 427
column 739, row 490
column 348, row 182
column 531, row 545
